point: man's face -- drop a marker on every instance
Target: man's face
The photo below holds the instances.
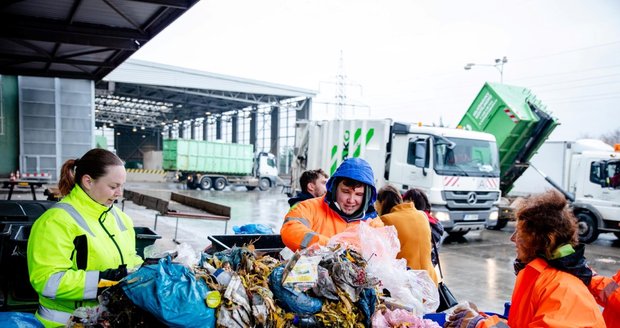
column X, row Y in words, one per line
column 318, row 188
column 107, row 188
column 348, row 198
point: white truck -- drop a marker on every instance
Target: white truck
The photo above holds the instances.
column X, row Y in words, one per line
column 209, row 164
column 457, row 169
column 589, row 170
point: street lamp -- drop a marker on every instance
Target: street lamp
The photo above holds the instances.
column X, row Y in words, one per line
column 499, row 65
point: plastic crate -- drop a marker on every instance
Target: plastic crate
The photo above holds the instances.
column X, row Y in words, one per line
column 144, row 237
column 269, row 244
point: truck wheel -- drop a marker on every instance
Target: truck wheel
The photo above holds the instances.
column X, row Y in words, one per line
column 250, row 188
column 220, row 184
column 206, row 183
column 501, row 223
column 191, row 184
column 586, row 224
column 264, row 184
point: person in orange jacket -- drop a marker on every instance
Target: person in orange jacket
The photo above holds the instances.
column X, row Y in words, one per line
column 414, row 232
column 349, row 200
column 551, row 289
column 606, row 292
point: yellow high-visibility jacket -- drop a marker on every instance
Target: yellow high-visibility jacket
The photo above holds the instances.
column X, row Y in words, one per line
column 67, row 248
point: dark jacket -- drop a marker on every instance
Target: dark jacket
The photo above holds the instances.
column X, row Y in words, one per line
column 300, row 197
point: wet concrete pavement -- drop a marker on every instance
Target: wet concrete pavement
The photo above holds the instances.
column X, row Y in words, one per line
column 477, row 267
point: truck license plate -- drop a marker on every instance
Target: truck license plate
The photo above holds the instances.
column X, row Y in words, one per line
column 470, row 217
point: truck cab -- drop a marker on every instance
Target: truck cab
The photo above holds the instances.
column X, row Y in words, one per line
column 265, row 169
column 596, row 186
column 457, row 169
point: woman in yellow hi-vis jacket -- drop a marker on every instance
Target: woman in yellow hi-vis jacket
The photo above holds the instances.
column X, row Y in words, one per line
column 82, row 239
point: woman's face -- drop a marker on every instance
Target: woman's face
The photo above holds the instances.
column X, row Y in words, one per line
column 107, row 188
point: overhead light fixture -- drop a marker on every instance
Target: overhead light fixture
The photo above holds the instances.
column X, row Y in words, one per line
column 142, row 127
column 134, row 129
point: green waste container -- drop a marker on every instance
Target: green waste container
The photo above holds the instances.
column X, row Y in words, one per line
column 517, row 120
column 144, row 237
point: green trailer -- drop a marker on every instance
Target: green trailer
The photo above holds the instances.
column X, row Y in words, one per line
column 209, row 164
column 520, row 125
column 517, row 120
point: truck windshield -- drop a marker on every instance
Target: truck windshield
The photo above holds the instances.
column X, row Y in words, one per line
column 466, row 157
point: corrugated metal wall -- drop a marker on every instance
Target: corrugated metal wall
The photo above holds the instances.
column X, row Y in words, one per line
column 56, row 120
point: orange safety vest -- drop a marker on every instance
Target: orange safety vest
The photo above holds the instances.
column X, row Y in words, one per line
column 312, row 221
column 606, row 291
column 547, row 297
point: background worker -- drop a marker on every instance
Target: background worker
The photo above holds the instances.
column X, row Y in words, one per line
column 349, row 200
column 313, row 184
column 420, row 201
column 606, row 292
column 82, row 239
column 551, row 289
column 412, row 227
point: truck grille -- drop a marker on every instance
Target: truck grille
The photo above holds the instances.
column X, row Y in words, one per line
column 469, row 199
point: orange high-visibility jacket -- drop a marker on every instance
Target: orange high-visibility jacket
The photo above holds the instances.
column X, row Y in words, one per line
column 414, row 234
column 312, row 221
column 607, row 294
column 547, row 297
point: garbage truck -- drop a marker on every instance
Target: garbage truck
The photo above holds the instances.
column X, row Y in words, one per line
column 520, row 124
column 457, row 169
column 589, row 170
column 209, row 164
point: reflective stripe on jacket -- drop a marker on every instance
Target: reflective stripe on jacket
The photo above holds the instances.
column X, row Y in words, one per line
column 606, row 291
column 67, row 248
column 414, row 234
column 547, row 297
column 312, row 221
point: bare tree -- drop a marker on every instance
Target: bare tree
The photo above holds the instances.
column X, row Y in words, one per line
column 612, row 137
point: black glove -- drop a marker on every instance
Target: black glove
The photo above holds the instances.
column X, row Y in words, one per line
column 114, row 274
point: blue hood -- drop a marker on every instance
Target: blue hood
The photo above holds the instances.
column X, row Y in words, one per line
column 359, row 170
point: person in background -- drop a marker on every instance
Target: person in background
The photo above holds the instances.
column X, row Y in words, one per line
column 551, row 289
column 420, row 201
column 313, row 184
column 412, row 227
column 349, row 200
column 83, row 240
column 606, row 292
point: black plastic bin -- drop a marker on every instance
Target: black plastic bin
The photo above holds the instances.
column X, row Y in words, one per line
column 269, row 244
column 19, row 287
column 144, row 237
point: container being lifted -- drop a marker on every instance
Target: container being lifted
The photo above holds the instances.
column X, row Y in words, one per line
column 207, row 164
column 520, row 125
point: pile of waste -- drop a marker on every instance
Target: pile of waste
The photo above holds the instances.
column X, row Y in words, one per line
column 345, row 284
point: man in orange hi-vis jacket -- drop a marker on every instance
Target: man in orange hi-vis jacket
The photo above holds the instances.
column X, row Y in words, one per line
column 349, row 200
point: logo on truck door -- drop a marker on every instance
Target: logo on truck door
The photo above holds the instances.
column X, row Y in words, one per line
column 357, row 147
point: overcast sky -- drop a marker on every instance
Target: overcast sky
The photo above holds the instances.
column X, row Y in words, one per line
column 404, row 59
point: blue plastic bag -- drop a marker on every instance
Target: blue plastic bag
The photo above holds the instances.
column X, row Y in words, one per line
column 19, row 320
column 253, row 229
column 292, row 300
column 171, row 293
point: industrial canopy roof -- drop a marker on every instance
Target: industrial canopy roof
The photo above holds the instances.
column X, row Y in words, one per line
column 152, row 95
column 83, row 39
